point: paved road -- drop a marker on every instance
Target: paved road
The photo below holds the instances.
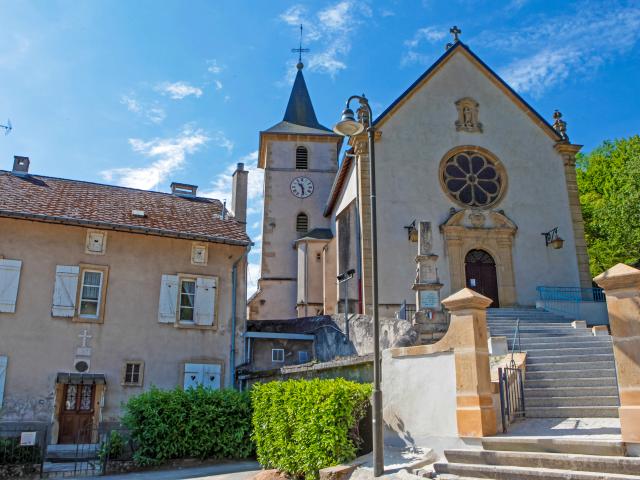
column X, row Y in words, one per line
column 221, row 471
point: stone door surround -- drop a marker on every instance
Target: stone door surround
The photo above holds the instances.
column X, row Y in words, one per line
column 492, row 231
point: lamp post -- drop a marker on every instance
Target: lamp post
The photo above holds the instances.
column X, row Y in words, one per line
column 348, row 126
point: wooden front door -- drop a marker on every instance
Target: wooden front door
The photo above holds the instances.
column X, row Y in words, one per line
column 480, row 270
column 76, row 416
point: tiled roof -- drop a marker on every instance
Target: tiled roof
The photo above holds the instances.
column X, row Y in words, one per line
column 74, row 202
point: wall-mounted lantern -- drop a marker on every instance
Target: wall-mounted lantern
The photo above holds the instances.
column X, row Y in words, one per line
column 412, row 231
column 552, row 238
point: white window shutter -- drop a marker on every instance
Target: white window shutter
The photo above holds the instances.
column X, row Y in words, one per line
column 192, row 375
column 205, row 301
column 3, row 377
column 64, row 292
column 168, row 299
column 211, row 376
column 9, row 281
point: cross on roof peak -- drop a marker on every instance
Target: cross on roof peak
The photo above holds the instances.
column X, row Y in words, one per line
column 300, row 51
column 455, row 31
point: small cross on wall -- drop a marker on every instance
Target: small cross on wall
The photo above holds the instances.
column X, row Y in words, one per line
column 85, row 336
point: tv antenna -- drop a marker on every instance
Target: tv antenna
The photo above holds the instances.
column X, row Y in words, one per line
column 7, row 128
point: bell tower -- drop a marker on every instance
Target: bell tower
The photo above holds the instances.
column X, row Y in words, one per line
column 300, row 160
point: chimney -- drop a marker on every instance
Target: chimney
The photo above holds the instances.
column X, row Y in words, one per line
column 184, row 189
column 20, row 165
column 239, row 193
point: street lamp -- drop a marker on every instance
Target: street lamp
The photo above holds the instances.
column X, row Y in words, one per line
column 348, row 126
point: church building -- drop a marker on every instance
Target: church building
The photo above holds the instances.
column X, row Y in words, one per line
column 474, row 188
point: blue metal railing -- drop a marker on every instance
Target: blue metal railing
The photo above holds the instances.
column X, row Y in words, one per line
column 567, row 300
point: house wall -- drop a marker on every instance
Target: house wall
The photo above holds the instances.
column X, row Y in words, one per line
column 38, row 346
column 261, row 358
column 413, row 142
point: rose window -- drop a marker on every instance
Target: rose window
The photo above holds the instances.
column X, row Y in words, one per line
column 472, row 179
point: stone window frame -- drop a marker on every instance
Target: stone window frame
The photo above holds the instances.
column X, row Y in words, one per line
column 102, row 297
column 299, row 215
column 123, row 377
column 488, row 155
column 302, row 156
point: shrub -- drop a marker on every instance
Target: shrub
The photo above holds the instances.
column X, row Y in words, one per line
column 198, row 422
column 11, row 453
column 301, row 426
column 114, row 448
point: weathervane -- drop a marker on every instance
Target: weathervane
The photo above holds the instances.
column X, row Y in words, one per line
column 7, row 128
column 300, row 51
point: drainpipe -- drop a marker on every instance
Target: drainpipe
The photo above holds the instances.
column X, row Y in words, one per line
column 234, row 294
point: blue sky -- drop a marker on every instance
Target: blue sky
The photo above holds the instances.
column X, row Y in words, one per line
column 148, row 92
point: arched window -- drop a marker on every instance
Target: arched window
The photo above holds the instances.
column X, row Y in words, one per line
column 302, row 223
column 302, row 158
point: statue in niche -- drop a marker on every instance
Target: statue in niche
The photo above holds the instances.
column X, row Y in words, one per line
column 467, row 120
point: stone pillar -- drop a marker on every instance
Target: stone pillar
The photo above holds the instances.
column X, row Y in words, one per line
column 622, row 288
column 474, row 407
column 568, row 152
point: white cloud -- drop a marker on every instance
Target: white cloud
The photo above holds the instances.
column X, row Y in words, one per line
column 330, row 30
column 428, row 34
column 214, row 67
column 585, row 39
column 153, row 113
column 218, row 84
column 220, row 139
column 253, row 274
column 178, row 90
column 221, row 186
column 167, row 155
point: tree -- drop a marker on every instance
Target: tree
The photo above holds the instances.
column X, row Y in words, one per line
column 609, row 187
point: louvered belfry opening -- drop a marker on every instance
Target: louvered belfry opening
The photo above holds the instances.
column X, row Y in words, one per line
column 302, row 223
column 302, row 158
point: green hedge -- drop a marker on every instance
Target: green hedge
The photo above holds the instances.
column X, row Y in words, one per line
column 301, row 426
column 200, row 423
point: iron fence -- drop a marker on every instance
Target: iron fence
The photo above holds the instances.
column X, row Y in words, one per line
column 568, row 300
column 22, row 450
column 512, row 405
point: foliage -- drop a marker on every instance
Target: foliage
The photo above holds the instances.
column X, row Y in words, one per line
column 199, row 422
column 301, row 426
column 11, row 453
column 114, row 448
column 609, row 186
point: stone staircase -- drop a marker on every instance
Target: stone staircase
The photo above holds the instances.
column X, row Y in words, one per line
column 540, row 458
column 569, row 372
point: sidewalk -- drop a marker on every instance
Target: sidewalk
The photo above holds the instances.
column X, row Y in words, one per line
column 220, row 471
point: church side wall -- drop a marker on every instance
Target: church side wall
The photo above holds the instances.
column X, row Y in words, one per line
column 408, row 156
column 39, row 346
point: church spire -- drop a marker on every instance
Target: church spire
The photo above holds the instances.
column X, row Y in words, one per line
column 300, row 109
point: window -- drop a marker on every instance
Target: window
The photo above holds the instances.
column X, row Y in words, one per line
column 303, row 356
column 302, row 158
column 302, row 223
column 132, row 374
column 472, row 178
column 277, row 355
column 90, row 294
column 187, row 300
column 208, row 375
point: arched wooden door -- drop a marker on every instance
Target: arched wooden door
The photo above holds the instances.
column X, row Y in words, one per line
column 480, row 272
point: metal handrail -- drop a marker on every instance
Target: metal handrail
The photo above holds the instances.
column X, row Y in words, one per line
column 576, row 294
column 516, row 338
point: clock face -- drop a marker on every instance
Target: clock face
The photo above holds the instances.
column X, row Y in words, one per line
column 301, row 187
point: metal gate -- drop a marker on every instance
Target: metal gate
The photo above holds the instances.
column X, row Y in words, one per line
column 512, row 404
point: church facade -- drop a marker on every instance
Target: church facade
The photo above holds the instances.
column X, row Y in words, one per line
column 474, row 188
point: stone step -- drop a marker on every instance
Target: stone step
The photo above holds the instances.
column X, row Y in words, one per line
column 546, row 367
column 569, row 352
column 522, row 473
column 555, row 445
column 540, row 460
column 573, row 401
column 566, row 340
column 568, row 391
column 571, row 382
column 565, row 373
column 572, row 412
column 545, row 348
column 538, row 359
column 532, row 323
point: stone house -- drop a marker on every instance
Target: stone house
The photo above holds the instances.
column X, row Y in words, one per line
column 106, row 291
